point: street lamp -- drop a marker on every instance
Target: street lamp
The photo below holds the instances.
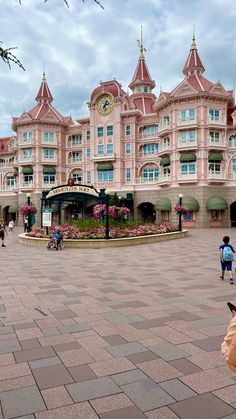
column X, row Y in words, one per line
column 107, row 198
column 180, row 211
column 28, row 195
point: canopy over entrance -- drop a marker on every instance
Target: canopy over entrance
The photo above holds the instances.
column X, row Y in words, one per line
column 72, row 193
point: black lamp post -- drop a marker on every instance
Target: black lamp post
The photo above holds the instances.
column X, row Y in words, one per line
column 180, row 212
column 29, row 213
column 107, row 198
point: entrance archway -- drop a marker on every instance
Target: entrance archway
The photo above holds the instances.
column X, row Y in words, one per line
column 233, row 214
column 147, row 211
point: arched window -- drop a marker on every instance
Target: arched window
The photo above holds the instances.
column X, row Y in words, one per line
column 149, row 173
column 77, row 176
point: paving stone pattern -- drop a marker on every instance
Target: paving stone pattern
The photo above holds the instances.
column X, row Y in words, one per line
column 115, row 333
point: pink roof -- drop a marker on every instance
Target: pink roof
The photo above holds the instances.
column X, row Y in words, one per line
column 144, row 104
column 193, row 61
column 197, row 82
column 141, row 75
column 41, row 109
column 112, row 87
column 44, row 93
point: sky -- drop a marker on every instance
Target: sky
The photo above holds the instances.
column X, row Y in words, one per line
column 85, row 44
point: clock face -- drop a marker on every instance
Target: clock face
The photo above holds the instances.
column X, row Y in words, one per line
column 104, row 105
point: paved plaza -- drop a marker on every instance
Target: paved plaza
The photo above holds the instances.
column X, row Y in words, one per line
column 122, row 333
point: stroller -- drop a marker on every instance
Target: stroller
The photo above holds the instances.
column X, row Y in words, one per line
column 55, row 243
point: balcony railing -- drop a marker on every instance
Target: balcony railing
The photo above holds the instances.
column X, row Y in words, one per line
column 52, row 141
column 217, row 142
column 162, row 178
column 25, row 185
column 26, row 159
column 146, row 180
column 74, row 145
column 187, row 121
column 147, row 155
column 216, row 120
column 25, row 142
column 216, row 175
column 187, row 176
column 7, row 165
column 49, row 159
column 188, row 143
column 104, row 156
column 164, row 147
column 75, row 161
column 164, row 126
column 49, row 185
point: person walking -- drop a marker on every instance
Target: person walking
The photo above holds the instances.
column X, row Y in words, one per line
column 26, row 220
column 226, row 258
column 11, row 225
column 2, row 232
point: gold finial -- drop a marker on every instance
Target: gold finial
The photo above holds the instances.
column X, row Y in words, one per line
column 193, row 41
column 44, row 76
column 140, row 44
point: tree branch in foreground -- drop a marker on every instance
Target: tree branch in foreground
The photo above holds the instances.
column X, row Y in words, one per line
column 7, row 56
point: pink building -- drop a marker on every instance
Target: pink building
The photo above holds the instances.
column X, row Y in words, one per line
column 148, row 149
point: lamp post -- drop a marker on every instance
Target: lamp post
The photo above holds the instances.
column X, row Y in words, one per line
column 107, row 194
column 28, row 195
column 180, row 212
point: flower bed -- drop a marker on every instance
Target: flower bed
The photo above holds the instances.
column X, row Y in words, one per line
column 136, row 230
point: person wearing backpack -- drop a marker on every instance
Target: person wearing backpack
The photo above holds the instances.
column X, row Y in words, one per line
column 226, row 258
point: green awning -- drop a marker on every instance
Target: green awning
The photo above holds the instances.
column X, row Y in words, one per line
column 49, row 169
column 27, row 170
column 163, row 204
column 191, row 203
column 13, row 208
column 215, row 157
column 105, row 166
column 15, row 173
column 165, row 161
column 54, row 208
column 188, row 157
column 216, row 203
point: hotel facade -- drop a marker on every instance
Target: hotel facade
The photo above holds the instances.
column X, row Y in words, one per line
column 145, row 148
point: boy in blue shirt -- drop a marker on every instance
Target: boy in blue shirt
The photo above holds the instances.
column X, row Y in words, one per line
column 56, row 238
column 226, row 258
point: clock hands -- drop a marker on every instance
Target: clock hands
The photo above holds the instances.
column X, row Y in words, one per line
column 105, row 105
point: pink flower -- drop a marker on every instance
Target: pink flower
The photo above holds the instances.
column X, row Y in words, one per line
column 26, row 209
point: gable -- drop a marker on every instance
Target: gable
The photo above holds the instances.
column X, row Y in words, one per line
column 24, row 117
column 49, row 116
column 184, row 90
column 218, row 89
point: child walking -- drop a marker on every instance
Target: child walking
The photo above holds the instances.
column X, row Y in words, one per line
column 226, row 258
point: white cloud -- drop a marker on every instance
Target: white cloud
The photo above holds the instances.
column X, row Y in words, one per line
column 85, row 44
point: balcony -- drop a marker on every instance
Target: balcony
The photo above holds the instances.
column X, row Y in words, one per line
column 216, row 142
column 49, row 185
column 147, row 155
column 72, row 144
column 50, row 142
column 164, row 178
column 164, row 148
column 28, row 159
column 26, row 142
column 25, row 185
column 187, row 144
column 187, row 122
column 75, row 161
column 216, row 121
column 7, row 165
column 216, row 176
column 146, row 180
column 49, row 159
column 187, row 177
column 104, row 157
column 164, row 128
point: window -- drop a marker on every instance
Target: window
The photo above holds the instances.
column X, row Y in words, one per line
column 49, row 178
column 214, row 114
column 89, row 177
column 233, row 139
column 188, row 136
column 214, row 167
column 145, row 89
column 48, row 153
column 166, row 121
column 27, row 136
column 214, row 136
column 127, row 149
column 78, row 176
column 100, row 131
column 109, row 130
column 187, row 115
column 75, row 140
column 127, row 130
column 150, row 149
column 11, row 180
column 150, row 131
column 26, row 154
column 75, row 156
column 166, row 141
column 150, row 174
column 48, row 136
column 187, row 168
column 234, row 165
column 88, row 152
column 106, row 175
column 100, row 150
column 109, row 149
column 88, row 135
column 27, row 179
column 127, row 174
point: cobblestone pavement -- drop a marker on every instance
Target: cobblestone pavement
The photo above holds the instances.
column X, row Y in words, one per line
column 126, row 333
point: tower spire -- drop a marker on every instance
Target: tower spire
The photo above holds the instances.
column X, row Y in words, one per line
column 193, row 40
column 140, row 45
column 193, row 63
